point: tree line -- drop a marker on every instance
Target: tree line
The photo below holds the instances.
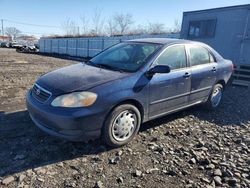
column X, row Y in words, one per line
column 12, row 32
column 97, row 25
column 117, row 24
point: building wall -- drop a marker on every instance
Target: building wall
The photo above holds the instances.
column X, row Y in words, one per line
column 4, row 38
column 230, row 38
column 88, row 47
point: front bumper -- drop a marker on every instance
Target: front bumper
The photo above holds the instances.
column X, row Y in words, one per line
column 77, row 124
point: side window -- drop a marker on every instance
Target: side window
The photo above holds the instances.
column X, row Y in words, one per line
column 174, row 57
column 199, row 55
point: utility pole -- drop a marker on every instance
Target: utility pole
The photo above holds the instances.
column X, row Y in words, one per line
column 2, row 27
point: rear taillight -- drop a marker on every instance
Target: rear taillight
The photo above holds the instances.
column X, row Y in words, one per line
column 233, row 67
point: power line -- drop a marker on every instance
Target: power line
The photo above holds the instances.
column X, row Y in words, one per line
column 34, row 33
column 35, row 25
column 30, row 24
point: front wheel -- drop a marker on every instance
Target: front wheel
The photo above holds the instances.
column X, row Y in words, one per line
column 214, row 99
column 121, row 125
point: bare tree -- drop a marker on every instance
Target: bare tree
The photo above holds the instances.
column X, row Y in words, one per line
column 177, row 26
column 111, row 26
column 70, row 27
column 123, row 22
column 98, row 22
column 139, row 29
column 156, row 28
column 85, row 25
column 12, row 32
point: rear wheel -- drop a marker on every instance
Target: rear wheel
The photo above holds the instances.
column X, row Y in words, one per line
column 121, row 125
column 214, row 99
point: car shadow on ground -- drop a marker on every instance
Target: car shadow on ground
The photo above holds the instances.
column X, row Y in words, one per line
column 24, row 146
column 233, row 111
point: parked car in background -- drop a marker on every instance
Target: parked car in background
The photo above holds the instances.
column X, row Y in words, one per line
column 37, row 46
column 4, row 44
column 29, row 48
column 130, row 83
column 15, row 45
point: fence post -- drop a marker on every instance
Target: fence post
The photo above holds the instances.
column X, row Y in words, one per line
column 76, row 46
column 58, row 40
column 44, row 47
column 51, row 46
column 88, row 48
column 66, row 46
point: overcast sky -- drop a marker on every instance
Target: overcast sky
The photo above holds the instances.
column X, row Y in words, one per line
column 54, row 12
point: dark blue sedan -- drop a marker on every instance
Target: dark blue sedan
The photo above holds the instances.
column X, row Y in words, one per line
column 130, row 83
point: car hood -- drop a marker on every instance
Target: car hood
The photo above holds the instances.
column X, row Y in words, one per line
column 77, row 77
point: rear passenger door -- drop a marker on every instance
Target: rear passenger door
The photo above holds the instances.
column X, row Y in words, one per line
column 203, row 71
column 168, row 92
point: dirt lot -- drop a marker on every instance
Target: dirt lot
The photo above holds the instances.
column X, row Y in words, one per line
column 192, row 148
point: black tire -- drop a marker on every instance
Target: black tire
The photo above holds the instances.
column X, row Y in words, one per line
column 107, row 135
column 210, row 105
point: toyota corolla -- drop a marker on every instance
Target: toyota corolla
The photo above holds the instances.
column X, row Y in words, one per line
column 132, row 82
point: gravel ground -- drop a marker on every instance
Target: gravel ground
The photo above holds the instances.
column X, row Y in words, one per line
column 192, row 148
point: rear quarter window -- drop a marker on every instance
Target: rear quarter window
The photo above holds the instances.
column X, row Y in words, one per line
column 200, row 55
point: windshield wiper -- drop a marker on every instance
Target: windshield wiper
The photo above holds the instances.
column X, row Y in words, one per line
column 91, row 63
column 88, row 62
column 105, row 66
column 102, row 65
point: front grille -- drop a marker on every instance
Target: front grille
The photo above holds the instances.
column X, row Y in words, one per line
column 40, row 94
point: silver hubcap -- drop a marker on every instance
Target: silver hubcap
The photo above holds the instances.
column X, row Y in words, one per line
column 124, row 125
column 216, row 96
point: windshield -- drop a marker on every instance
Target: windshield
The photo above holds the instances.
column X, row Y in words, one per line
column 128, row 57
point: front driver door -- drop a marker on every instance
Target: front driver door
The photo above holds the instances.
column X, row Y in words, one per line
column 169, row 91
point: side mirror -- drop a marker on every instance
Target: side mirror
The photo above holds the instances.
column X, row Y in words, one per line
column 158, row 69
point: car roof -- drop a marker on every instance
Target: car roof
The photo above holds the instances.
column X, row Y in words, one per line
column 161, row 40
column 170, row 41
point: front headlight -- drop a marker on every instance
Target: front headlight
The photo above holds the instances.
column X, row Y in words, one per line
column 76, row 99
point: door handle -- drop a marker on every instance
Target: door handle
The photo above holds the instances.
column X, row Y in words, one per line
column 214, row 69
column 187, row 75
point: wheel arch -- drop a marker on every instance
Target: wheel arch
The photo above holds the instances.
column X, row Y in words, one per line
column 133, row 102
column 222, row 82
